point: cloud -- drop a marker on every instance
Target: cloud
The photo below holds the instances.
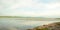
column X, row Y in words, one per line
column 15, row 6
column 22, row 4
column 46, row 6
column 50, row 9
column 32, row 8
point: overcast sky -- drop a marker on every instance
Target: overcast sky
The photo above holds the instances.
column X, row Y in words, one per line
column 30, row 8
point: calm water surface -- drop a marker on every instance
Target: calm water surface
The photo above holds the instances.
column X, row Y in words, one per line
column 21, row 24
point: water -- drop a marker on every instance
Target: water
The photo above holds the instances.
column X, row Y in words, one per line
column 21, row 24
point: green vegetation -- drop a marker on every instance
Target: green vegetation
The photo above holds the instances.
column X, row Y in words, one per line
column 42, row 29
column 30, row 18
column 10, row 17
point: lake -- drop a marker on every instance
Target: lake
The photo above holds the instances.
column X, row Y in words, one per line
column 21, row 24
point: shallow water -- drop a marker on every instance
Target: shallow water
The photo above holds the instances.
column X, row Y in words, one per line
column 21, row 24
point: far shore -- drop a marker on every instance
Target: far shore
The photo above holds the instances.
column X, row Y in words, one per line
column 29, row 18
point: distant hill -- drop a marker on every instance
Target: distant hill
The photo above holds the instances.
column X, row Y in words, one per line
column 30, row 18
column 10, row 16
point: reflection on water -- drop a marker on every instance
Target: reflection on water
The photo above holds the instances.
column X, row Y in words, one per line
column 21, row 24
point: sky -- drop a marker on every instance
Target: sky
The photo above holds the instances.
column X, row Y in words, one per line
column 30, row 8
